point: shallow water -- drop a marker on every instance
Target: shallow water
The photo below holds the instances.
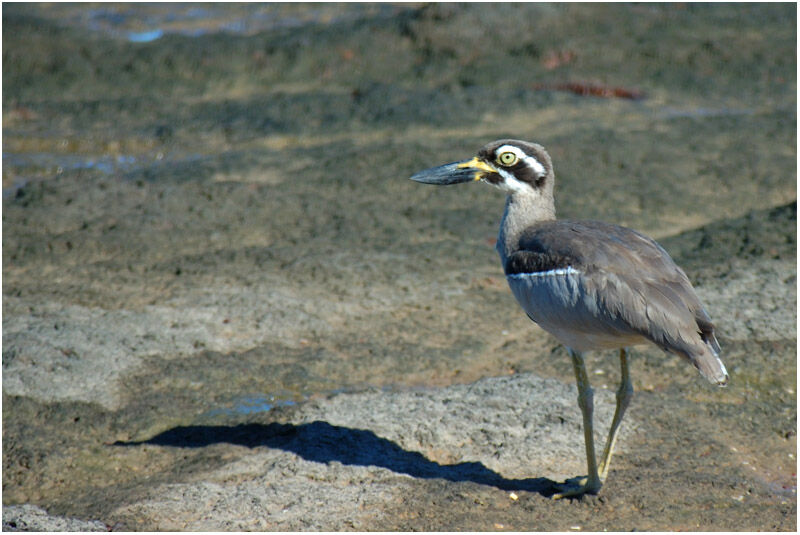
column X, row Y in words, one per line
column 143, row 24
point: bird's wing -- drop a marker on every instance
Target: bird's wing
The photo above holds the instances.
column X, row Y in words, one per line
column 633, row 277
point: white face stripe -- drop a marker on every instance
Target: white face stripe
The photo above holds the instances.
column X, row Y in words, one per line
column 509, row 182
column 569, row 270
column 532, row 162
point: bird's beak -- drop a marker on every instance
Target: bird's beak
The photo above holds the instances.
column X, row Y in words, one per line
column 455, row 173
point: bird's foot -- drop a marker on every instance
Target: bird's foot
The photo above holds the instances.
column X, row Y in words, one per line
column 577, row 487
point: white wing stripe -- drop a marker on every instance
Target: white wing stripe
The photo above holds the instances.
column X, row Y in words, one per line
column 550, row 273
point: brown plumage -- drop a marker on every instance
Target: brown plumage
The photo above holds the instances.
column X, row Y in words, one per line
column 590, row 284
column 637, row 288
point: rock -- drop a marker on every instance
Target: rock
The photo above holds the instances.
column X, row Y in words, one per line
column 32, row 518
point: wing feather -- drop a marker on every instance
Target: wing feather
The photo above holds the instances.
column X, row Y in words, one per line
column 633, row 279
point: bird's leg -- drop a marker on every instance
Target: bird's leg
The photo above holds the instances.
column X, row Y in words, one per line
column 624, row 395
column 592, row 483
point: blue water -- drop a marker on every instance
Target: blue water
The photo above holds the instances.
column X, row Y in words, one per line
column 144, row 37
column 26, row 165
column 252, row 404
column 62, row 162
column 147, row 22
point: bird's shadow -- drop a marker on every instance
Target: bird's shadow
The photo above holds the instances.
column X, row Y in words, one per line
column 322, row 442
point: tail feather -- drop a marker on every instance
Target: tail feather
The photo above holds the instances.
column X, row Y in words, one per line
column 707, row 330
column 708, row 362
column 710, row 365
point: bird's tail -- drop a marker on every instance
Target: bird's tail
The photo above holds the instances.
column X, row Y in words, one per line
column 708, row 362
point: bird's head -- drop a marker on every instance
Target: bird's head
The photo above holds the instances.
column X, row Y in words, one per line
column 514, row 166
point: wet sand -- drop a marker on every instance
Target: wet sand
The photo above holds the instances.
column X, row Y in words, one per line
column 225, row 306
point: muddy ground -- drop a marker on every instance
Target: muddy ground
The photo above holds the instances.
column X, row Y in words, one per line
column 225, row 306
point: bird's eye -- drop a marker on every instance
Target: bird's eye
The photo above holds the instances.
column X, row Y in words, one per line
column 507, row 158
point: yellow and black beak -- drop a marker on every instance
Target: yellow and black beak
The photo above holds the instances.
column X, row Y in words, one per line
column 455, row 173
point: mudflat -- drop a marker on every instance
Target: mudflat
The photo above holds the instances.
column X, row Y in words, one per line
column 226, row 307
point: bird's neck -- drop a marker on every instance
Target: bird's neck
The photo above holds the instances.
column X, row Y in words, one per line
column 522, row 211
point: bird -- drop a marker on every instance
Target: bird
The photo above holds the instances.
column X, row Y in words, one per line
column 592, row 285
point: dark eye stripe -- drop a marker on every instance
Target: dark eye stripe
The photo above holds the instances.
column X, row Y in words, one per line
column 525, row 173
column 521, row 169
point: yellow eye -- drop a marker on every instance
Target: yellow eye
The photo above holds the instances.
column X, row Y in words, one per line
column 507, row 158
